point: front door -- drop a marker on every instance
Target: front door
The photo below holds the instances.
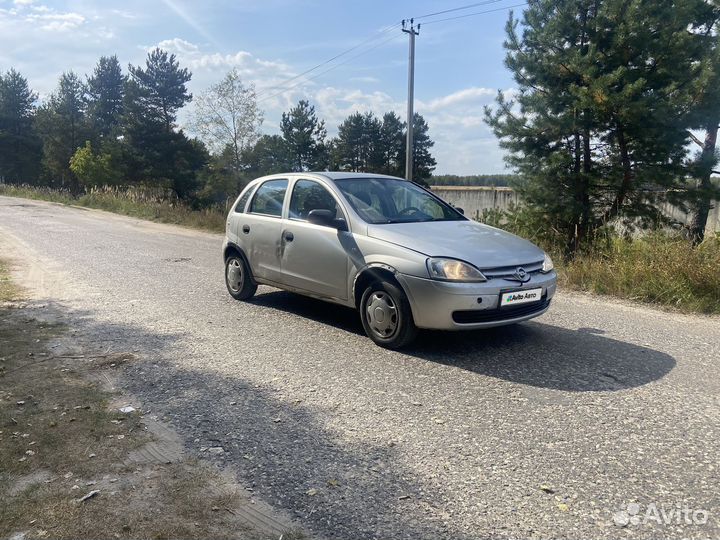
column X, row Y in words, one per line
column 313, row 258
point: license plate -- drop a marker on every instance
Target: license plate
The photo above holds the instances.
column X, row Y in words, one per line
column 520, row 297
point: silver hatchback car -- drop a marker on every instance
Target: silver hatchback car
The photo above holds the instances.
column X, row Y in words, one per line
column 385, row 246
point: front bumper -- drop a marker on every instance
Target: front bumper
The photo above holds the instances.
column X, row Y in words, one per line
column 444, row 305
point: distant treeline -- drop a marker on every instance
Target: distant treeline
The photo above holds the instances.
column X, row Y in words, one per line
column 119, row 129
column 497, row 180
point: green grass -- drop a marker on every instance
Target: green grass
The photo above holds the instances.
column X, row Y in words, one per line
column 128, row 204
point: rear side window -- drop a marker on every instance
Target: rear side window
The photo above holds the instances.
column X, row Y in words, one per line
column 242, row 203
column 269, row 198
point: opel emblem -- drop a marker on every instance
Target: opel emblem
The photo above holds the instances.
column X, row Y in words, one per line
column 521, row 275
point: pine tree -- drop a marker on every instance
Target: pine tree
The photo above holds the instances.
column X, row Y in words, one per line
column 392, row 145
column 161, row 88
column 305, row 136
column 269, row 155
column 601, row 111
column 157, row 154
column 61, row 125
column 423, row 162
column 358, row 144
column 104, row 97
column 20, row 149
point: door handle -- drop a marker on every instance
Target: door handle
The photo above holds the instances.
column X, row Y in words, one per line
column 246, row 229
column 289, row 237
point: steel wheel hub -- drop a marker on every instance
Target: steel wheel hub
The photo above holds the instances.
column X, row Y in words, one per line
column 382, row 314
column 235, row 274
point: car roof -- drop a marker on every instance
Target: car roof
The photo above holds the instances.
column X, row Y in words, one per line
column 338, row 175
column 330, row 175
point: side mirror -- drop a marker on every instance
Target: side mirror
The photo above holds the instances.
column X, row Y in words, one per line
column 460, row 210
column 321, row 216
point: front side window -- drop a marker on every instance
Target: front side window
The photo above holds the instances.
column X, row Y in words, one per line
column 308, row 195
column 269, row 198
column 390, row 200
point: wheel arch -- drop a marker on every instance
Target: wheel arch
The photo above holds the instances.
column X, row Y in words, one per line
column 371, row 273
column 232, row 248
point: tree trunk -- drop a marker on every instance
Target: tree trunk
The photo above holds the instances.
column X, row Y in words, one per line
column 626, row 183
column 585, row 191
column 702, row 207
column 575, row 232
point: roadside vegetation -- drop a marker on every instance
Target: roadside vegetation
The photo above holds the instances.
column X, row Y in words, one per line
column 131, row 203
column 660, row 267
column 61, row 441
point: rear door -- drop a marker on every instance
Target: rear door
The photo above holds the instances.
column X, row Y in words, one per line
column 260, row 228
column 313, row 256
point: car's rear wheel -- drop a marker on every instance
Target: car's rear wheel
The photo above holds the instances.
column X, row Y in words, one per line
column 386, row 315
column 239, row 282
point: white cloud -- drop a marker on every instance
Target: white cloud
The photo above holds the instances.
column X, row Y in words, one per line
column 43, row 17
column 60, row 22
column 191, row 55
column 176, row 45
column 365, row 79
column 467, row 95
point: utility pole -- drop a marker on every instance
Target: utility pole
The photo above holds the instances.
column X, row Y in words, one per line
column 411, row 32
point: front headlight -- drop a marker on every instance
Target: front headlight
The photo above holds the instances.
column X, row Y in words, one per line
column 453, row 270
column 547, row 264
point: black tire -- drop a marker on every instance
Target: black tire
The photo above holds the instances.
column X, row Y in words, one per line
column 390, row 323
column 238, row 280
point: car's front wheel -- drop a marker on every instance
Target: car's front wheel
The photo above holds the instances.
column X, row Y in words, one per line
column 386, row 315
column 239, row 282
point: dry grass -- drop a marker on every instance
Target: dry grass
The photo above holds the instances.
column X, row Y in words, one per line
column 659, row 269
column 8, row 290
column 128, row 204
column 59, row 439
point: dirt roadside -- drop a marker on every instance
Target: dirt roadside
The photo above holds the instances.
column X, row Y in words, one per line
column 80, row 460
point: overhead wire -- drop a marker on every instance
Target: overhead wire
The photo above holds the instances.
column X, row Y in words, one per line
column 339, row 55
column 476, row 4
column 283, row 89
column 308, row 79
column 473, row 14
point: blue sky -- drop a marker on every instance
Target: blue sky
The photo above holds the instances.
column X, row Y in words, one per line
column 459, row 63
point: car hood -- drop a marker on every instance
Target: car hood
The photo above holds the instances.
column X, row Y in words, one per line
column 478, row 244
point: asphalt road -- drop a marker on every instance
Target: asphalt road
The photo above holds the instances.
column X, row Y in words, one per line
column 548, row 429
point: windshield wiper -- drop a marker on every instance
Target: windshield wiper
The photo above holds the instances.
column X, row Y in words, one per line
column 415, row 220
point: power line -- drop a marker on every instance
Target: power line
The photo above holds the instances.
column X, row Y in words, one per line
column 308, row 79
column 373, row 38
column 473, row 14
column 486, row 2
column 340, row 55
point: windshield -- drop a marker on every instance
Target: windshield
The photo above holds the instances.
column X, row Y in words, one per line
column 390, row 200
